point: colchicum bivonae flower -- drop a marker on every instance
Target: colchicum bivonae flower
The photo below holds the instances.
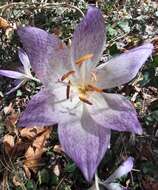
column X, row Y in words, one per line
column 74, row 93
column 23, row 76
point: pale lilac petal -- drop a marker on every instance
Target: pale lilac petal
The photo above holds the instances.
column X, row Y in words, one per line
column 67, row 109
column 39, row 111
column 114, row 112
column 85, row 142
column 25, row 61
column 48, row 55
column 19, row 84
column 114, row 186
column 12, row 74
column 122, row 170
column 89, row 36
column 123, row 68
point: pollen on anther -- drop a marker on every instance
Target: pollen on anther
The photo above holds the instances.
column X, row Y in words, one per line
column 83, row 99
column 94, row 88
column 83, row 58
column 66, row 75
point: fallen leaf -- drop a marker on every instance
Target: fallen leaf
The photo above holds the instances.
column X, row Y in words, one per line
column 150, row 185
column 57, row 31
column 56, row 170
column 58, row 149
column 16, row 182
column 27, row 171
column 8, row 142
column 35, row 151
column 31, row 132
column 11, row 120
column 4, row 24
column 8, row 109
column 20, row 147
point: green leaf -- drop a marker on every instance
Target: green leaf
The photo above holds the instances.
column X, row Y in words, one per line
column 18, row 93
column 114, row 49
column 124, row 25
column 154, row 115
column 149, row 168
column 30, row 185
column 111, row 32
column 43, row 177
column 155, row 61
column 54, row 180
column 70, row 167
column 146, row 79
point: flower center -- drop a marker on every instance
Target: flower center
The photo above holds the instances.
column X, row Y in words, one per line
column 83, row 87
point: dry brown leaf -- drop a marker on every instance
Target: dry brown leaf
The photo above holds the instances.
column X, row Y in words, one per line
column 27, row 171
column 35, row 151
column 20, row 147
column 31, row 133
column 8, row 109
column 148, row 185
column 33, row 156
column 8, row 142
column 57, row 31
column 58, row 149
column 11, row 120
column 40, row 140
column 56, row 170
column 16, row 182
column 4, row 24
column 4, row 183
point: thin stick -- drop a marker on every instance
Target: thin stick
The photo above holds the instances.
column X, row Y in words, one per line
column 40, row 5
column 97, row 182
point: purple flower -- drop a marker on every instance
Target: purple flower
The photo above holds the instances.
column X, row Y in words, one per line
column 73, row 94
column 122, row 170
column 110, row 183
column 22, row 77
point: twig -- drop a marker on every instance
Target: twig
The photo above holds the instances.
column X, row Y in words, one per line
column 60, row 183
column 115, row 39
column 97, row 182
column 64, row 5
column 40, row 5
column 7, row 6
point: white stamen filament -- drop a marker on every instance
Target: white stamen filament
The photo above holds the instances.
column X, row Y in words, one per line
column 83, row 86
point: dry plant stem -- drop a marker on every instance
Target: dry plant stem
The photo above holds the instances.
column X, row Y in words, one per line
column 113, row 41
column 97, row 182
column 61, row 181
column 5, row 181
column 39, row 5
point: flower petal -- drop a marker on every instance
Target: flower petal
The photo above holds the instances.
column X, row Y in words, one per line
column 48, row 55
column 114, row 112
column 67, row 109
column 114, row 186
column 85, row 142
column 89, row 36
column 39, row 111
column 12, row 74
column 122, row 170
column 25, row 61
column 123, row 68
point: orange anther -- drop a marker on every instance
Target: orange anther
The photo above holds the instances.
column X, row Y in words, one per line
column 94, row 88
column 83, row 58
column 83, row 99
column 67, row 75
